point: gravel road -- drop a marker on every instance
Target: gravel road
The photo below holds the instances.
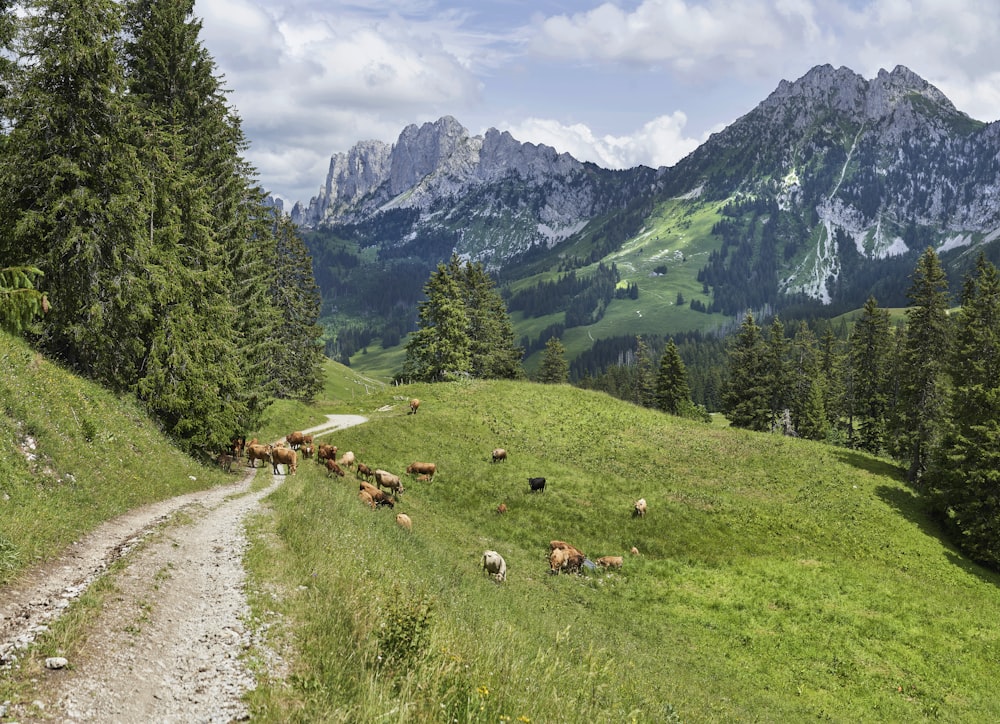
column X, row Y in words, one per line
column 167, row 645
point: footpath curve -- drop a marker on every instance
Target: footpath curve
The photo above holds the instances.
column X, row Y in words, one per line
column 166, row 647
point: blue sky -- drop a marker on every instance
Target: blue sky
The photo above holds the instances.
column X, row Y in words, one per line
column 618, row 83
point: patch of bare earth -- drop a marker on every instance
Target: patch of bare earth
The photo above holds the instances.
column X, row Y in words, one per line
column 168, row 645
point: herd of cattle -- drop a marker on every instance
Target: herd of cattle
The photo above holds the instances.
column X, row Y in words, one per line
column 562, row 556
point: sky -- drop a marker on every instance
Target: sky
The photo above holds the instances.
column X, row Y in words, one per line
column 619, row 83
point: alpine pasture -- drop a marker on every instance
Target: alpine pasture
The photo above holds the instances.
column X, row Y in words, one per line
column 776, row 579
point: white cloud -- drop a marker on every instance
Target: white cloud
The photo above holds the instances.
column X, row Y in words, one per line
column 660, row 142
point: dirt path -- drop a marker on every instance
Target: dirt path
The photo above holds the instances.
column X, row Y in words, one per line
column 166, row 646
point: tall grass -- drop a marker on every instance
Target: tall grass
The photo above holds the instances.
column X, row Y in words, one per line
column 73, row 455
column 778, row 579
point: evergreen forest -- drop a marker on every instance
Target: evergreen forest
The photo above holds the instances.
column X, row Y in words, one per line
column 138, row 247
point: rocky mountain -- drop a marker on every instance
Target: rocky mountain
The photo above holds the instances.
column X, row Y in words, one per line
column 825, row 192
column 493, row 195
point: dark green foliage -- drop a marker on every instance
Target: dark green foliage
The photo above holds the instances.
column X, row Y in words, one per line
column 464, row 329
column 867, row 377
column 923, row 395
column 672, row 391
column 20, row 301
column 746, row 398
column 964, row 476
column 807, row 386
column 554, row 369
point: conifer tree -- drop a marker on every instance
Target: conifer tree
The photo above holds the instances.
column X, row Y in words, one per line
column 964, row 476
column 554, row 369
column 645, row 378
column 746, row 399
column 20, row 301
column 867, row 377
column 440, row 348
column 673, row 394
column 495, row 354
column 923, row 396
column 808, row 386
column 70, row 184
column 779, row 380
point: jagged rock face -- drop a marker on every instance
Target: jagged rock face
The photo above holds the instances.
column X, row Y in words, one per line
column 886, row 164
column 497, row 195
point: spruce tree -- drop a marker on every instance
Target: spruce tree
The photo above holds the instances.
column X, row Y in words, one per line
column 807, row 386
column 440, row 348
column 867, row 376
column 645, row 378
column 746, row 398
column 779, row 379
column 70, row 185
column 554, row 369
column 923, row 396
column 964, row 476
column 673, row 395
column 495, row 354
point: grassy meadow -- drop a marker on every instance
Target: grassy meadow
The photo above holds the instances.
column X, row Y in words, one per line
column 777, row 580
column 73, row 455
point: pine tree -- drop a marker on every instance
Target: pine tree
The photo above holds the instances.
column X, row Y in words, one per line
column 923, row 396
column 70, row 186
column 440, row 348
column 554, row 369
column 808, row 386
column 645, row 378
column 673, row 394
column 964, row 476
column 20, row 301
column 779, row 379
column 495, row 355
column 746, row 399
column 867, row 377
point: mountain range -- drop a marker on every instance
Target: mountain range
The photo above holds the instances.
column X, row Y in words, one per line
column 824, row 193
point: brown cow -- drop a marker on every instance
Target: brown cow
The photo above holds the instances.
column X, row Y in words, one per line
column 639, row 508
column 307, row 451
column 414, row 406
column 286, row 457
column 502, row 508
column 326, row 452
column 421, row 468
column 378, row 496
column 610, row 561
column 499, row 455
column 365, row 497
column 365, row 471
column 347, row 459
column 385, row 479
column 256, row 451
column 295, row 439
column 333, row 469
column 403, row 521
column 225, row 461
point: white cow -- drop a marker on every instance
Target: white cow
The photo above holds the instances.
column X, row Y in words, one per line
column 495, row 565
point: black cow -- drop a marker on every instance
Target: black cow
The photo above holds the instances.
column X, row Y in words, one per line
column 537, row 484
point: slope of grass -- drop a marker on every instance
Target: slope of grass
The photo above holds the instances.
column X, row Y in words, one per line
column 778, row 579
column 73, row 455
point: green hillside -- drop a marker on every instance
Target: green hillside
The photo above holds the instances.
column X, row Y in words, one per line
column 777, row 579
column 73, row 455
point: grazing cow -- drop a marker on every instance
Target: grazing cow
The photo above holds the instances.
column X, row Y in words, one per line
column 639, row 508
column 610, row 561
column 634, row 551
column 571, row 561
column 414, row 406
column 421, row 468
column 307, row 451
column 494, row 565
column 256, row 451
column 333, row 469
column 502, row 508
column 225, row 462
column 378, row 496
column 423, row 478
column 347, row 459
column 499, row 455
column 326, row 452
column 295, row 440
column 236, row 446
column 365, row 497
column 557, row 559
column 385, row 479
column 286, row 457
column 537, row 484
column 403, row 521
column 307, row 439
column 365, row 471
